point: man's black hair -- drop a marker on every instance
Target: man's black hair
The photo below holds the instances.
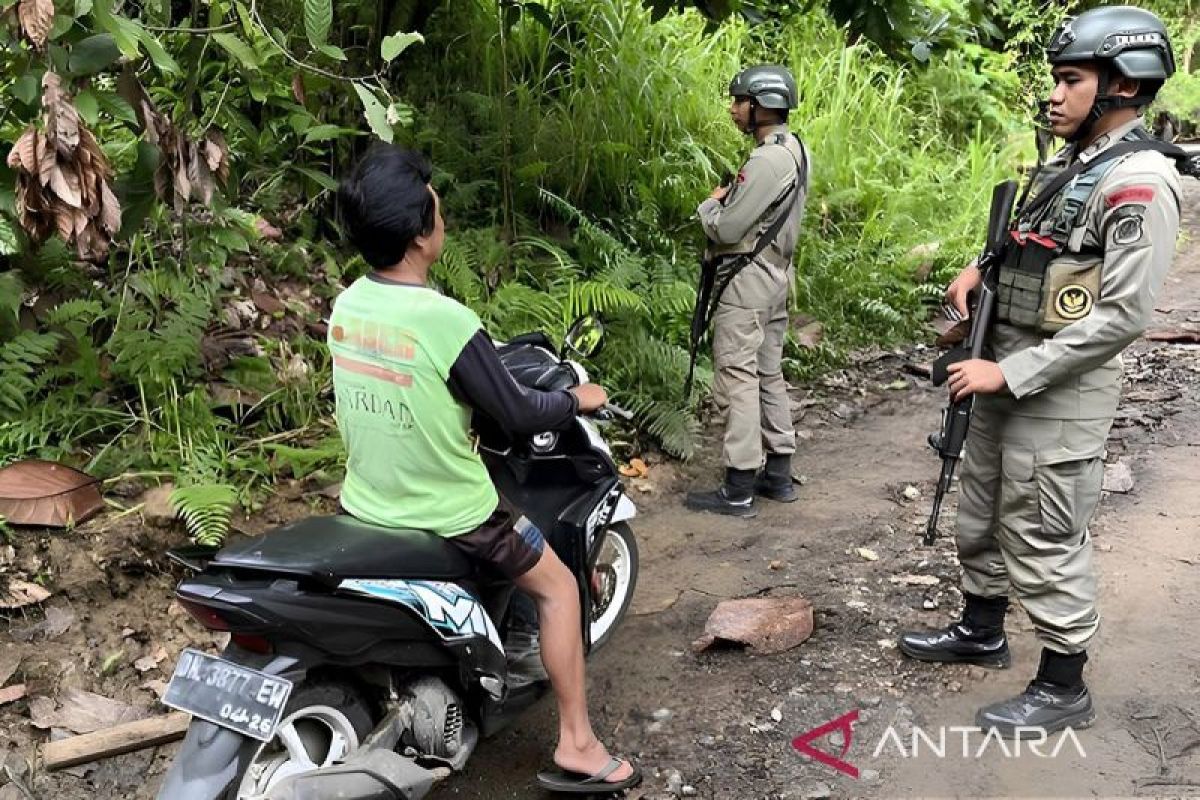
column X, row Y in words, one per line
column 386, row 203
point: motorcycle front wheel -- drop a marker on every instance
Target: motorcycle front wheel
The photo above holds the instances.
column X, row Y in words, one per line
column 613, row 580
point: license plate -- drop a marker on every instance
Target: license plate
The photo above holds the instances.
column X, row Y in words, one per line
column 228, row 694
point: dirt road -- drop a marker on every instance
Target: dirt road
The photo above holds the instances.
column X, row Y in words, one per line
column 710, row 717
column 720, row 725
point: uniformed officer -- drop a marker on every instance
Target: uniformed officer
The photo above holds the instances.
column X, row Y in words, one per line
column 1076, row 287
column 765, row 201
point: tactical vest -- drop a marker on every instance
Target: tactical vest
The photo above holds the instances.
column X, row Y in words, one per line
column 1048, row 278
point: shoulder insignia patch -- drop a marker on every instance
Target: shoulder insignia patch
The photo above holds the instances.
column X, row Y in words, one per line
column 1142, row 194
column 1126, row 225
column 741, row 177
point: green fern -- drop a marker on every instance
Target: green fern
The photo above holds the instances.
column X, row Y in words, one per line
column 77, row 310
column 22, row 368
column 206, row 510
column 158, row 350
column 303, row 461
column 515, row 308
column 873, row 306
column 601, row 298
column 457, row 272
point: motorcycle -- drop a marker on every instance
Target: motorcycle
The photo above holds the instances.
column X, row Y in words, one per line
column 366, row 662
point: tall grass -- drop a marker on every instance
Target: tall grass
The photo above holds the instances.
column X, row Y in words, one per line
column 625, row 120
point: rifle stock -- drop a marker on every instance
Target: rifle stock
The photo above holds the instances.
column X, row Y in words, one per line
column 956, row 419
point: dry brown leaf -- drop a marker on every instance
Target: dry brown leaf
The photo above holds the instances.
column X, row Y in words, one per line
column 10, row 661
column 24, row 152
column 11, row 693
column 46, row 159
column 298, row 88
column 22, row 593
column 91, row 244
column 89, row 191
column 66, row 186
column 199, row 175
column 110, row 209
column 64, row 220
column 83, row 712
column 151, row 121
column 217, row 149
column 212, row 152
column 37, row 18
column 182, row 186
column 62, row 120
column 266, row 230
column 636, row 468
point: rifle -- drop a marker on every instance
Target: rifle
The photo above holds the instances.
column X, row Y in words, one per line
column 703, row 308
column 956, row 418
column 717, row 272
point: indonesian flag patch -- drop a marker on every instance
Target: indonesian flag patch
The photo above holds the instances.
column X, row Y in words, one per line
column 1141, row 194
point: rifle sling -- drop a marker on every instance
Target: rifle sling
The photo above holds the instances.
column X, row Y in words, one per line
column 1116, row 151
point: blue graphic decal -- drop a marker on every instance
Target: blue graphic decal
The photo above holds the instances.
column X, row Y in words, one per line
column 448, row 608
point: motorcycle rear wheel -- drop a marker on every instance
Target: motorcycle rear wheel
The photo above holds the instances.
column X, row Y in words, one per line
column 322, row 723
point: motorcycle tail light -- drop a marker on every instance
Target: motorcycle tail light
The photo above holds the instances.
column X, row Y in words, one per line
column 253, row 642
column 207, row 616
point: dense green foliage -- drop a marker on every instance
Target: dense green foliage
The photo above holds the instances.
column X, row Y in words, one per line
column 572, row 141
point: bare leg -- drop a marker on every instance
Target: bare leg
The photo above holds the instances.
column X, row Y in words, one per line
column 552, row 587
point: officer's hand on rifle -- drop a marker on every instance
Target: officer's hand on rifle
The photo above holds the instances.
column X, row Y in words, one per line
column 975, row 375
column 957, row 291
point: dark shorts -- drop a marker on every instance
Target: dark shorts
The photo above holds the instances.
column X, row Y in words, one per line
column 497, row 544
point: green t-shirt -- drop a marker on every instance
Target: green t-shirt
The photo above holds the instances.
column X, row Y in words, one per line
column 411, row 461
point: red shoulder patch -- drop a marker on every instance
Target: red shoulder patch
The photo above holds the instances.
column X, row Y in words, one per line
column 1142, row 195
column 741, row 177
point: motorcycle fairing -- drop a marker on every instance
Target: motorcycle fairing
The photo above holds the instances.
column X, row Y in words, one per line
column 450, row 610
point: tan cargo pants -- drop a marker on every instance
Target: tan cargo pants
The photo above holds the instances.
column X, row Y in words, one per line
column 1029, row 489
column 748, row 385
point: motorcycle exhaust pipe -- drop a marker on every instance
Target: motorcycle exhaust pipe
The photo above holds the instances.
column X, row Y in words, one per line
column 366, row 775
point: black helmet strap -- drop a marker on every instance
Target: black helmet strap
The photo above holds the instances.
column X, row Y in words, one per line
column 1104, row 103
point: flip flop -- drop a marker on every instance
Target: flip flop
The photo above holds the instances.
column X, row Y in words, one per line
column 566, row 782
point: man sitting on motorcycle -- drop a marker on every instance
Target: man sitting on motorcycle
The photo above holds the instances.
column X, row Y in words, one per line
column 410, row 365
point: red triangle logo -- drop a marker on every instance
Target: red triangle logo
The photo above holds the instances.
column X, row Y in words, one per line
column 845, row 724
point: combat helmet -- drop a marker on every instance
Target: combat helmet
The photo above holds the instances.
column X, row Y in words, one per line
column 769, row 85
column 1121, row 40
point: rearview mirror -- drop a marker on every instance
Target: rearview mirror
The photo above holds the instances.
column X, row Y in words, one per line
column 585, row 337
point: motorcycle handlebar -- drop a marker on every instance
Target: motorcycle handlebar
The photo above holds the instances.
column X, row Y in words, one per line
column 608, row 411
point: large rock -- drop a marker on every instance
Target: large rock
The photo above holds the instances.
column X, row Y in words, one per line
column 766, row 625
column 1118, row 478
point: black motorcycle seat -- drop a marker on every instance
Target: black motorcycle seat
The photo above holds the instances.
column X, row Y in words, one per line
column 331, row 548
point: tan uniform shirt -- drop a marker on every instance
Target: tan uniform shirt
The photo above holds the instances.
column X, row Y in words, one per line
column 756, row 199
column 1133, row 219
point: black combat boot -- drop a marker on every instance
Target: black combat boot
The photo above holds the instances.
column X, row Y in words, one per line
column 1056, row 699
column 775, row 480
column 735, row 497
column 978, row 638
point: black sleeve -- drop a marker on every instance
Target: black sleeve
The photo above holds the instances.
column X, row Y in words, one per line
column 478, row 379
